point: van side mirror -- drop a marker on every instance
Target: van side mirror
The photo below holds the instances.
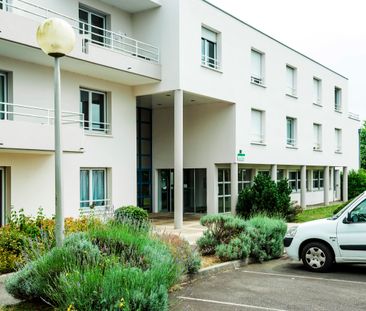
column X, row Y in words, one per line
column 347, row 219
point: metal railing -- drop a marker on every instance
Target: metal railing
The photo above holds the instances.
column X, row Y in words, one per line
column 337, row 107
column 317, row 146
column 90, row 34
column 291, row 141
column 210, row 62
column 15, row 112
column 354, row 116
column 256, row 80
column 101, row 208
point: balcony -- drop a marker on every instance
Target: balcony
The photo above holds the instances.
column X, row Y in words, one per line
column 137, row 62
column 31, row 128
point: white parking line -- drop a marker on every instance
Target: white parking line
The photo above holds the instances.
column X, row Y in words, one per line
column 229, row 303
column 294, row 276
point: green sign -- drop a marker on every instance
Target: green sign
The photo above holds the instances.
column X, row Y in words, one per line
column 240, row 157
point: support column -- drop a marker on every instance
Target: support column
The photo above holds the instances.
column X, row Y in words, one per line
column 303, row 187
column 234, row 187
column 254, row 173
column 345, row 184
column 155, row 194
column 178, row 159
column 326, row 186
column 331, row 184
column 274, row 172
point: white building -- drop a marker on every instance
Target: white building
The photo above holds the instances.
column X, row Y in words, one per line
column 203, row 88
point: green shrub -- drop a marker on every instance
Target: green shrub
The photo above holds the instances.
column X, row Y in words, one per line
column 356, row 183
column 182, row 252
column 131, row 213
column 266, row 237
column 237, row 248
column 266, row 197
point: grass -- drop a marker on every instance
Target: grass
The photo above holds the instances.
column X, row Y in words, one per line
column 316, row 213
column 26, row 306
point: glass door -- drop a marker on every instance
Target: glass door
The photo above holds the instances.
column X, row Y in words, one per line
column 188, row 191
column 97, row 22
column 2, row 197
column 166, row 190
column 3, row 95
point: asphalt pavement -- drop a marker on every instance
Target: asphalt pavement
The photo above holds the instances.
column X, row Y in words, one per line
column 277, row 285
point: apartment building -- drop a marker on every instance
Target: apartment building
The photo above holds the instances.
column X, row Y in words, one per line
column 171, row 105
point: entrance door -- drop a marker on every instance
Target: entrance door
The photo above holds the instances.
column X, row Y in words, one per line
column 2, row 197
column 166, row 190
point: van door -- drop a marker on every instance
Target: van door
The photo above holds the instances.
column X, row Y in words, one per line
column 351, row 235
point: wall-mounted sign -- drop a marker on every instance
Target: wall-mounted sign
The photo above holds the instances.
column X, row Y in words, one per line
column 240, row 157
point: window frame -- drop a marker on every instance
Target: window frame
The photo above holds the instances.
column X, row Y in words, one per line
column 338, row 94
column 318, row 180
column 224, row 195
column 106, row 125
column 242, row 182
column 206, row 60
column 317, row 91
column 318, row 140
column 338, row 140
column 291, row 90
column 253, row 79
column 91, row 11
column 105, row 200
column 3, row 106
column 253, row 136
column 291, row 141
column 297, row 180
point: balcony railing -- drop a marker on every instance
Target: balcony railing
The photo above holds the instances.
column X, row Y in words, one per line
column 256, row 80
column 210, row 62
column 291, row 142
column 99, row 208
column 117, row 42
column 354, row 116
column 15, row 112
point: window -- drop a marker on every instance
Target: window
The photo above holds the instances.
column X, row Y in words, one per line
column 3, row 94
column 358, row 214
column 337, row 99
column 280, row 174
column 93, row 188
column 96, row 21
column 294, row 180
column 291, row 81
column 224, row 190
column 209, row 49
column 291, row 132
column 93, row 105
column 257, row 127
column 318, row 180
column 317, row 128
column 257, row 68
column 244, row 178
column 264, row 173
column 338, row 140
column 317, row 91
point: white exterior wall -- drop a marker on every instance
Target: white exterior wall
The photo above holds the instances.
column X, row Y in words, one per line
column 32, row 174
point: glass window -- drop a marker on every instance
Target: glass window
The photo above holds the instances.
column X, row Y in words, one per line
column 94, row 107
column 95, row 21
column 294, row 180
column 257, row 126
column 3, row 94
column 316, row 91
column 338, row 99
column 280, row 174
column 291, row 81
column 209, row 48
column 358, row 214
column 318, row 180
column 317, row 136
column 224, row 190
column 93, row 188
column 338, row 140
column 291, row 134
column 257, row 67
column 244, row 178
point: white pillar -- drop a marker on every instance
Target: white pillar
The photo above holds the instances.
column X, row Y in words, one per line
column 345, row 184
column 254, row 173
column 331, row 184
column 303, row 187
column 326, row 185
column 178, row 159
column 155, row 185
column 274, row 172
column 234, row 187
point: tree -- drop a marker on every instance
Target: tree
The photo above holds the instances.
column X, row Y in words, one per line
column 363, row 146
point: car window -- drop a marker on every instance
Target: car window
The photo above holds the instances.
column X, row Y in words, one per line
column 358, row 214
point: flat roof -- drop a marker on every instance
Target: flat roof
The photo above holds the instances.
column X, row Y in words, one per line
column 261, row 32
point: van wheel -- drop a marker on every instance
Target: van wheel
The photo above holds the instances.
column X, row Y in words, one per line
column 317, row 257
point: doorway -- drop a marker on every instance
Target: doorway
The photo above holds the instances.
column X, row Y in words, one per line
column 194, row 190
column 2, row 197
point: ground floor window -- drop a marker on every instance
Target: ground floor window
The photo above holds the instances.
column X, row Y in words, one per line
column 224, row 184
column 280, row 174
column 318, row 180
column 263, row 173
column 93, row 188
column 294, row 180
column 244, row 178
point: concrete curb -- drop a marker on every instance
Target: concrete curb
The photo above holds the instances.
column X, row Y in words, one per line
column 214, row 269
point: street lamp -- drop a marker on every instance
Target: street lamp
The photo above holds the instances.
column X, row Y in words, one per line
column 57, row 38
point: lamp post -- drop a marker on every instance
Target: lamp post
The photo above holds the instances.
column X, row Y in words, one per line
column 56, row 38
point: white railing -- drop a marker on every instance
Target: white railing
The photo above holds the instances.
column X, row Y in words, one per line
column 354, row 116
column 338, row 107
column 99, row 208
column 97, row 127
column 15, row 112
column 291, row 142
column 210, row 62
column 90, row 34
column 257, row 138
column 256, row 80
column 317, row 146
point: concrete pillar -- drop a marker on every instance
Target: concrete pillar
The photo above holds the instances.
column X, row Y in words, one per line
column 337, row 184
column 254, row 173
column 331, row 184
column 326, row 185
column 212, row 190
column 274, row 172
column 303, row 187
column 345, row 183
column 234, row 187
column 178, row 159
column 155, row 192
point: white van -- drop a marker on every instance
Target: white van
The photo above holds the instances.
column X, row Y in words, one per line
column 340, row 239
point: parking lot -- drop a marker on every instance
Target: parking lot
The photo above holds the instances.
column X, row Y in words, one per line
column 276, row 285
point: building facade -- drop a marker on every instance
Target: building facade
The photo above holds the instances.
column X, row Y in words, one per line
column 171, row 105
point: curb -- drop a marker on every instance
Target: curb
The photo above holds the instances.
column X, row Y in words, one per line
column 214, row 269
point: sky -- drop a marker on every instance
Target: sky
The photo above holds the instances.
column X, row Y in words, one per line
column 332, row 32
